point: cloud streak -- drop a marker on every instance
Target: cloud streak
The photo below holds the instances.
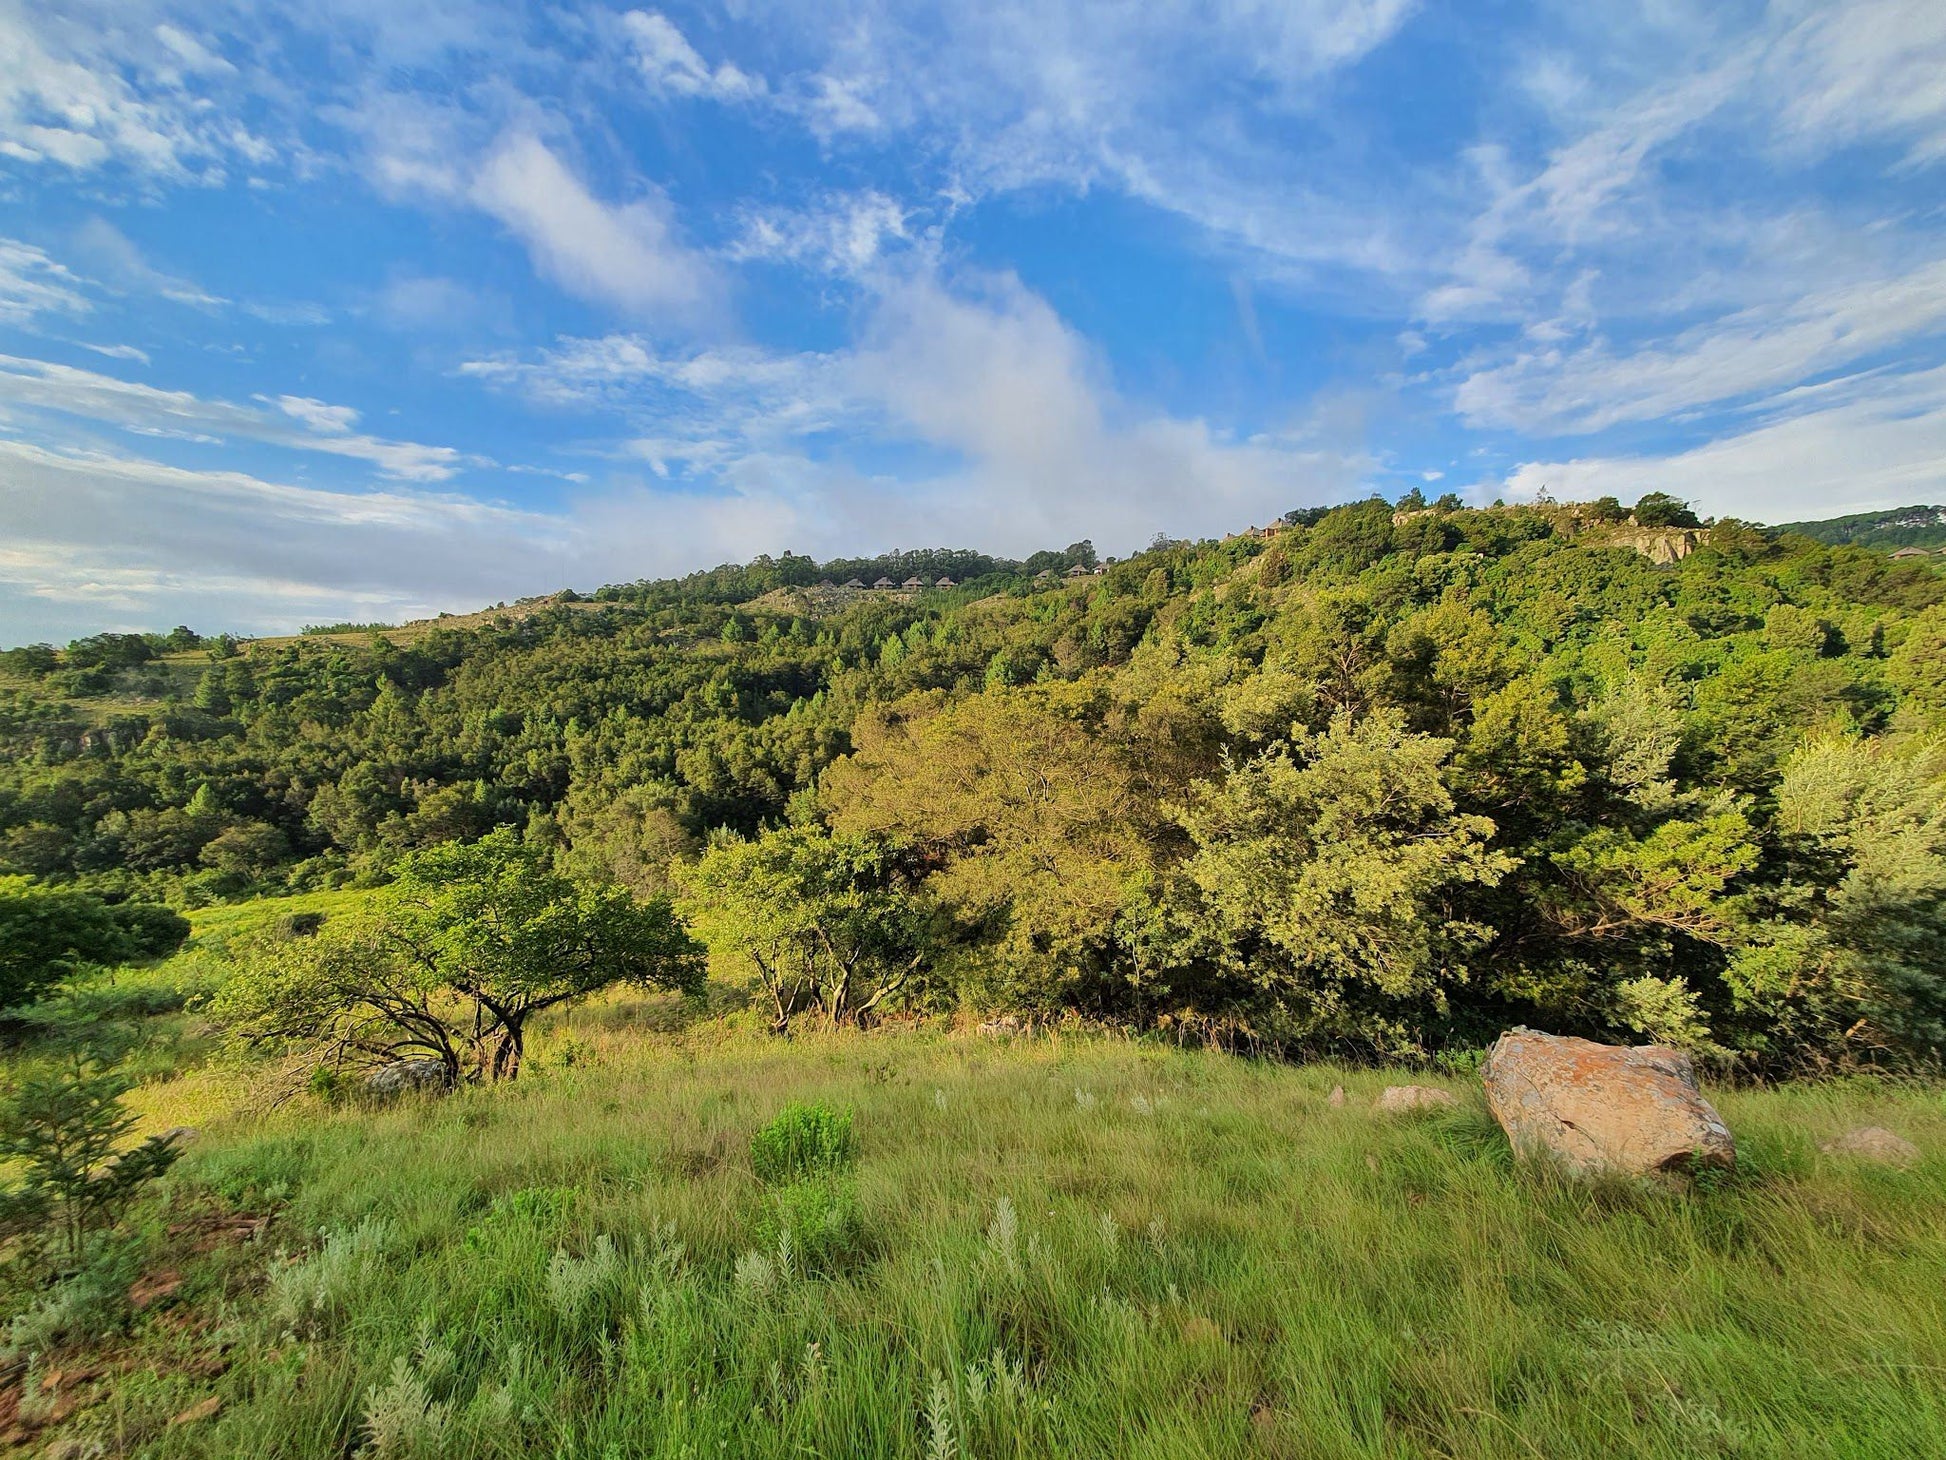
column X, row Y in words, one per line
column 44, row 387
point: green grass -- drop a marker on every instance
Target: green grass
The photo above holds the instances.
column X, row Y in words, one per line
column 1077, row 1247
column 214, row 927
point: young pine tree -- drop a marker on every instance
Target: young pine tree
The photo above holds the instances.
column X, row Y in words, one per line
column 63, row 1124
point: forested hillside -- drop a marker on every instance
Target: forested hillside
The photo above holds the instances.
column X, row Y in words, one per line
column 1384, row 782
column 1897, row 527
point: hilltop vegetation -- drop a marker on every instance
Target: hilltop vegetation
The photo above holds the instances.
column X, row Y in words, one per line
column 1897, row 527
column 1380, row 783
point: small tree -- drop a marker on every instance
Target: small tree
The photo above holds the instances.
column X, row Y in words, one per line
column 826, row 922
column 63, row 1123
column 459, row 953
column 1659, row 509
column 1327, row 874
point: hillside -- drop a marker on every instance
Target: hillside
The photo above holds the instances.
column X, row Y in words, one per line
column 740, row 1016
column 1897, row 527
column 1609, row 759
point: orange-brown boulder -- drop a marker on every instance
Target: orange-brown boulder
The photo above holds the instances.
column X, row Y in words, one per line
column 1598, row 1109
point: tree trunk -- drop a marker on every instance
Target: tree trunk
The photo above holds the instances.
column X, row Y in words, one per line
column 508, row 1046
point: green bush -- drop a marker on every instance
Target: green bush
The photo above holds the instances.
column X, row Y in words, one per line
column 818, row 1223
column 802, row 1141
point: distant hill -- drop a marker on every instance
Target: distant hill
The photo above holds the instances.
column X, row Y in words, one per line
column 1920, row 527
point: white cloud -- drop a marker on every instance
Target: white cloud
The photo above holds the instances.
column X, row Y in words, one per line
column 120, row 352
column 843, row 233
column 325, row 419
column 628, row 255
column 1010, row 429
column 80, row 88
column 1874, row 442
column 40, row 386
column 1870, row 69
column 671, row 64
column 194, row 57
column 31, row 283
column 225, row 548
column 301, row 313
column 1751, row 351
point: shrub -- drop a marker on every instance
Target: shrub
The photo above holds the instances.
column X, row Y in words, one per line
column 804, row 1140
column 581, row 1288
column 62, row 1130
column 818, row 1224
column 91, row 1303
column 309, row 1295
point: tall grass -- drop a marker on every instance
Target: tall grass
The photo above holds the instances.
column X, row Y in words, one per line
column 1073, row 1247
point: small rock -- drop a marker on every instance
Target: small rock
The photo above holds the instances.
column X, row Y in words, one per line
column 1411, row 1099
column 1603, row 1108
column 181, row 1135
column 404, row 1075
column 1337, row 1097
column 1873, row 1143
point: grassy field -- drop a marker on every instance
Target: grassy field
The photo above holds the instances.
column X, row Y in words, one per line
column 1073, row 1246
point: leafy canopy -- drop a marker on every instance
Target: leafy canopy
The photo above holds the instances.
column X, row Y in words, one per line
column 467, row 944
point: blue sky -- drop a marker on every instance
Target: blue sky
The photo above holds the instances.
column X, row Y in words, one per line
column 370, row 308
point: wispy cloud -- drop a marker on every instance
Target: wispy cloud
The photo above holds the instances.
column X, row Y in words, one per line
column 671, row 64
column 82, row 90
column 298, row 425
column 1751, row 351
column 116, row 259
column 31, row 283
column 1876, row 441
column 628, row 254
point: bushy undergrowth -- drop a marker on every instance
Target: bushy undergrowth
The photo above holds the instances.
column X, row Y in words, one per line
column 1203, row 1257
column 803, row 1140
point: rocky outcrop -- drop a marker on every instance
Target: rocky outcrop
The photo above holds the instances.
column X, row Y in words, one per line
column 1596, row 1109
column 1873, row 1143
column 1660, row 545
column 1412, row 1100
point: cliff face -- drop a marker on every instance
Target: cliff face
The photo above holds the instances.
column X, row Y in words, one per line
column 1663, row 545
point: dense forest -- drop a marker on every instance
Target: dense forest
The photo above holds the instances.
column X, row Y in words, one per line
column 1382, row 781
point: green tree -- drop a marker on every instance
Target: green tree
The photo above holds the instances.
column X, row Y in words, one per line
column 212, row 692
column 1328, row 874
column 1659, row 509
column 823, row 921
column 1850, row 961
column 460, row 952
column 47, row 934
column 1036, row 821
column 64, row 1126
column 249, row 850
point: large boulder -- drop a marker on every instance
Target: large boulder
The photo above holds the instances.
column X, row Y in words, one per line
column 1599, row 1109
